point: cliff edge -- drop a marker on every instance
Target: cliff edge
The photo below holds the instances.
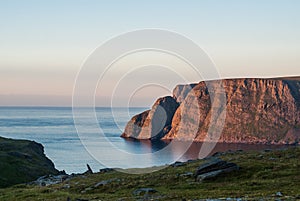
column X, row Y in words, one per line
column 22, row 161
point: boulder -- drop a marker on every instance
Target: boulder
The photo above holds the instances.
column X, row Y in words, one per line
column 89, row 170
column 143, row 191
column 178, row 164
column 105, row 170
column 213, row 168
column 105, row 182
column 48, row 180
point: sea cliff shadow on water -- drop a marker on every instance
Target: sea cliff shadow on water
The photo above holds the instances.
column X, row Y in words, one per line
column 192, row 153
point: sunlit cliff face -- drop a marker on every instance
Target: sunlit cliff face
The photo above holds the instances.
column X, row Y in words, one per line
column 257, row 110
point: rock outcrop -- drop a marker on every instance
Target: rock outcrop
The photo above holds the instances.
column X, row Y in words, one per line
column 22, row 161
column 155, row 123
column 254, row 111
column 213, row 168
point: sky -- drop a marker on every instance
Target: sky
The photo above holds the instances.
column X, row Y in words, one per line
column 43, row 44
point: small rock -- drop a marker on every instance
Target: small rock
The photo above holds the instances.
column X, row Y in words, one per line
column 89, row 170
column 187, row 174
column 101, row 183
column 105, row 182
column 217, row 154
column 208, row 175
column 178, row 164
column 279, row 194
column 191, row 161
column 143, row 191
column 88, row 189
column 260, row 156
column 104, row 170
column 50, row 180
column 66, row 186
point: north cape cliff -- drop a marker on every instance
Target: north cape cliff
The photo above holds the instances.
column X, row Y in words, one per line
column 254, row 111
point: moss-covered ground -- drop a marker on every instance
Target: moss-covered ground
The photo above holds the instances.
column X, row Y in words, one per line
column 262, row 174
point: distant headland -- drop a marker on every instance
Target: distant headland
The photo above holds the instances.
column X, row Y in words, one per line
column 257, row 111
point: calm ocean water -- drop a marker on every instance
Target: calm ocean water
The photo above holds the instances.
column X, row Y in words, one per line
column 54, row 128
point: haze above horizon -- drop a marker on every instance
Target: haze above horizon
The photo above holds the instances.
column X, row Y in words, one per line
column 44, row 43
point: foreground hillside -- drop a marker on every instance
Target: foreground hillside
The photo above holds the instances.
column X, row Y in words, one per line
column 271, row 175
column 253, row 110
column 22, row 161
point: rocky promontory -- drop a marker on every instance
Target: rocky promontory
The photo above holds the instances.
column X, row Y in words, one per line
column 22, row 161
column 256, row 111
column 155, row 123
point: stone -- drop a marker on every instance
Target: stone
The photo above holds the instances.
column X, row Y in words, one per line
column 187, row 174
column 143, row 191
column 66, row 186
column 105, row 170
column 105, row 182
column 178, row 164
column 48, row 180
column 213, row 168
column 89, row 170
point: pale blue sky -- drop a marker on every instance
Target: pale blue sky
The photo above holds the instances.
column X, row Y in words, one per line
column 44, row 43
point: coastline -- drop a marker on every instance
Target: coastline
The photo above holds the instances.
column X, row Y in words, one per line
column 246, row 142
column 267, row 174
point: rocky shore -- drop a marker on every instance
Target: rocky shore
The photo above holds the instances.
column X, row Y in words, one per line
column 231, row 175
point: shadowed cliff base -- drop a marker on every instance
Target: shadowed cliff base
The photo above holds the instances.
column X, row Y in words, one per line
column 257, row 110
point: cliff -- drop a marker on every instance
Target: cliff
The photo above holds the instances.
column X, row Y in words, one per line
column 155, row 123
column 22, row 161
column 257, row 111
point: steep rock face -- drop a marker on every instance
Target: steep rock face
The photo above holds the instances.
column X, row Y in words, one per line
column 257, row 111
column 152, row 124
column 22, row 161
column 181, row 91
column 134, row 126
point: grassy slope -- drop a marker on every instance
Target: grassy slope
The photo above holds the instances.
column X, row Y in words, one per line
column 262, row 174
column 22, row 161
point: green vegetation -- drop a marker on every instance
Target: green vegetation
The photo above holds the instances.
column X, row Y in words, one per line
column 261, row 175
column 22, row 161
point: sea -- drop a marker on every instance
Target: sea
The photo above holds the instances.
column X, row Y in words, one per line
column 72, row 144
